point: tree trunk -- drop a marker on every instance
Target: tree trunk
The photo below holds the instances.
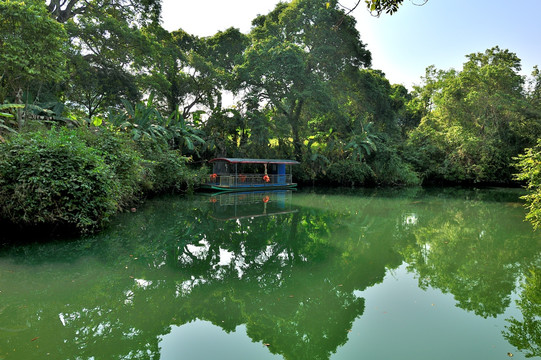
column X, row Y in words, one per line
column 295, row 119
column 19, row 100
column 297, row 145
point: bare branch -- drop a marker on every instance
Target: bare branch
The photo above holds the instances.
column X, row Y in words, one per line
column 349, row 11
column 376, row 7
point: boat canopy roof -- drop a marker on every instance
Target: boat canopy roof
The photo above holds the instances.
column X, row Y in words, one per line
column 255, row 161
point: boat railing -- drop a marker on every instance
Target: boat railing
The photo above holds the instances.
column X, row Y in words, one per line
column 240, row 180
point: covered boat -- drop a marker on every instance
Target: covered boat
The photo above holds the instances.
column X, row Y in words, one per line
column 240, row 174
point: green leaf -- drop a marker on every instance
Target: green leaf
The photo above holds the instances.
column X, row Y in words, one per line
column 97, row 121
column 2, row 126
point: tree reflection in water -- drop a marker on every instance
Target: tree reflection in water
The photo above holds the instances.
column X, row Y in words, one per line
column 465, row 249
column 290, row 277
column 525, row 334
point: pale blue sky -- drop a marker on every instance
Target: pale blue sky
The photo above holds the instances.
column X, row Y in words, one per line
column 440, row 33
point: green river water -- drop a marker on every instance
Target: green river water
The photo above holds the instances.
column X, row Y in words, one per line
column 312, row 274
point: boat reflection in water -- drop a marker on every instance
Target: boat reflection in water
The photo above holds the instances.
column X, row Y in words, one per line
column 228, row 206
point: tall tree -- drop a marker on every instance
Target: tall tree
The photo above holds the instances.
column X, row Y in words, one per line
column 163, row 71
column 96, row 84
column 32, row 48
column 296, row 49
column 185, row 71
column 476, row 121
column 31, row 45
column 107, row 41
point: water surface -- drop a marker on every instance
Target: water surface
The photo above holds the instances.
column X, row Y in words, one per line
column 319, row 274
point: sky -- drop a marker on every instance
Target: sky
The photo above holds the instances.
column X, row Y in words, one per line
column 403, row 45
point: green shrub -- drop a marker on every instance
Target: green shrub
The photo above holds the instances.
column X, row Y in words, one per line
column 118, row 151
column 167, row 170
column 383, row 167
column 529, row 165
column 349, row 172
column 54, row 178
column 392, row 170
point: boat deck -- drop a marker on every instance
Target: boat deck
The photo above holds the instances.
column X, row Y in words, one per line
column 243, row 174
column 249, row 181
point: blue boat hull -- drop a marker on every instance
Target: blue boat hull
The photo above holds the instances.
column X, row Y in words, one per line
column 253, row 187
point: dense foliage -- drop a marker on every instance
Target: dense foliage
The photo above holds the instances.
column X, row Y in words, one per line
column 302, row 88
column 77, row 179
column 32, row 47
column 54, row 178
column 121, row 156
column 529, row 165
column 478, row 120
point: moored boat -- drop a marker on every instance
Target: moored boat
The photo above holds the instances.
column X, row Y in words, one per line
column 242, row 174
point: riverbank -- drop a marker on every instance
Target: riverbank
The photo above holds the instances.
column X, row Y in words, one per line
column 68, row 182
column 72, row 181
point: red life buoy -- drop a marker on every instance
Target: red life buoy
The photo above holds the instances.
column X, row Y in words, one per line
column 266, row 199
column 213, row 176
column 266, row 178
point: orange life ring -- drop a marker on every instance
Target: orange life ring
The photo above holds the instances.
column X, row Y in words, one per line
column 213, row 176
column 242, row 177
column 213, row 200
column 266, row 199
column 266, row 178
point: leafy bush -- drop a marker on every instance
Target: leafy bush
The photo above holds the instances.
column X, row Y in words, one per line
column 391, row 169
column 529, row 165
column 118, row 151
column 349, row 172
column 167, row 170
column 54, row 178
column 380, row 165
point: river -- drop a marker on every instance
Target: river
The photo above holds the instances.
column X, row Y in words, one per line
column 310, row 274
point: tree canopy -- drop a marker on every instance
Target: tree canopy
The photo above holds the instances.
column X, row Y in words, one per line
column 295, row 51
column 64, row 10
column 32, row 47
column 476, row 120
